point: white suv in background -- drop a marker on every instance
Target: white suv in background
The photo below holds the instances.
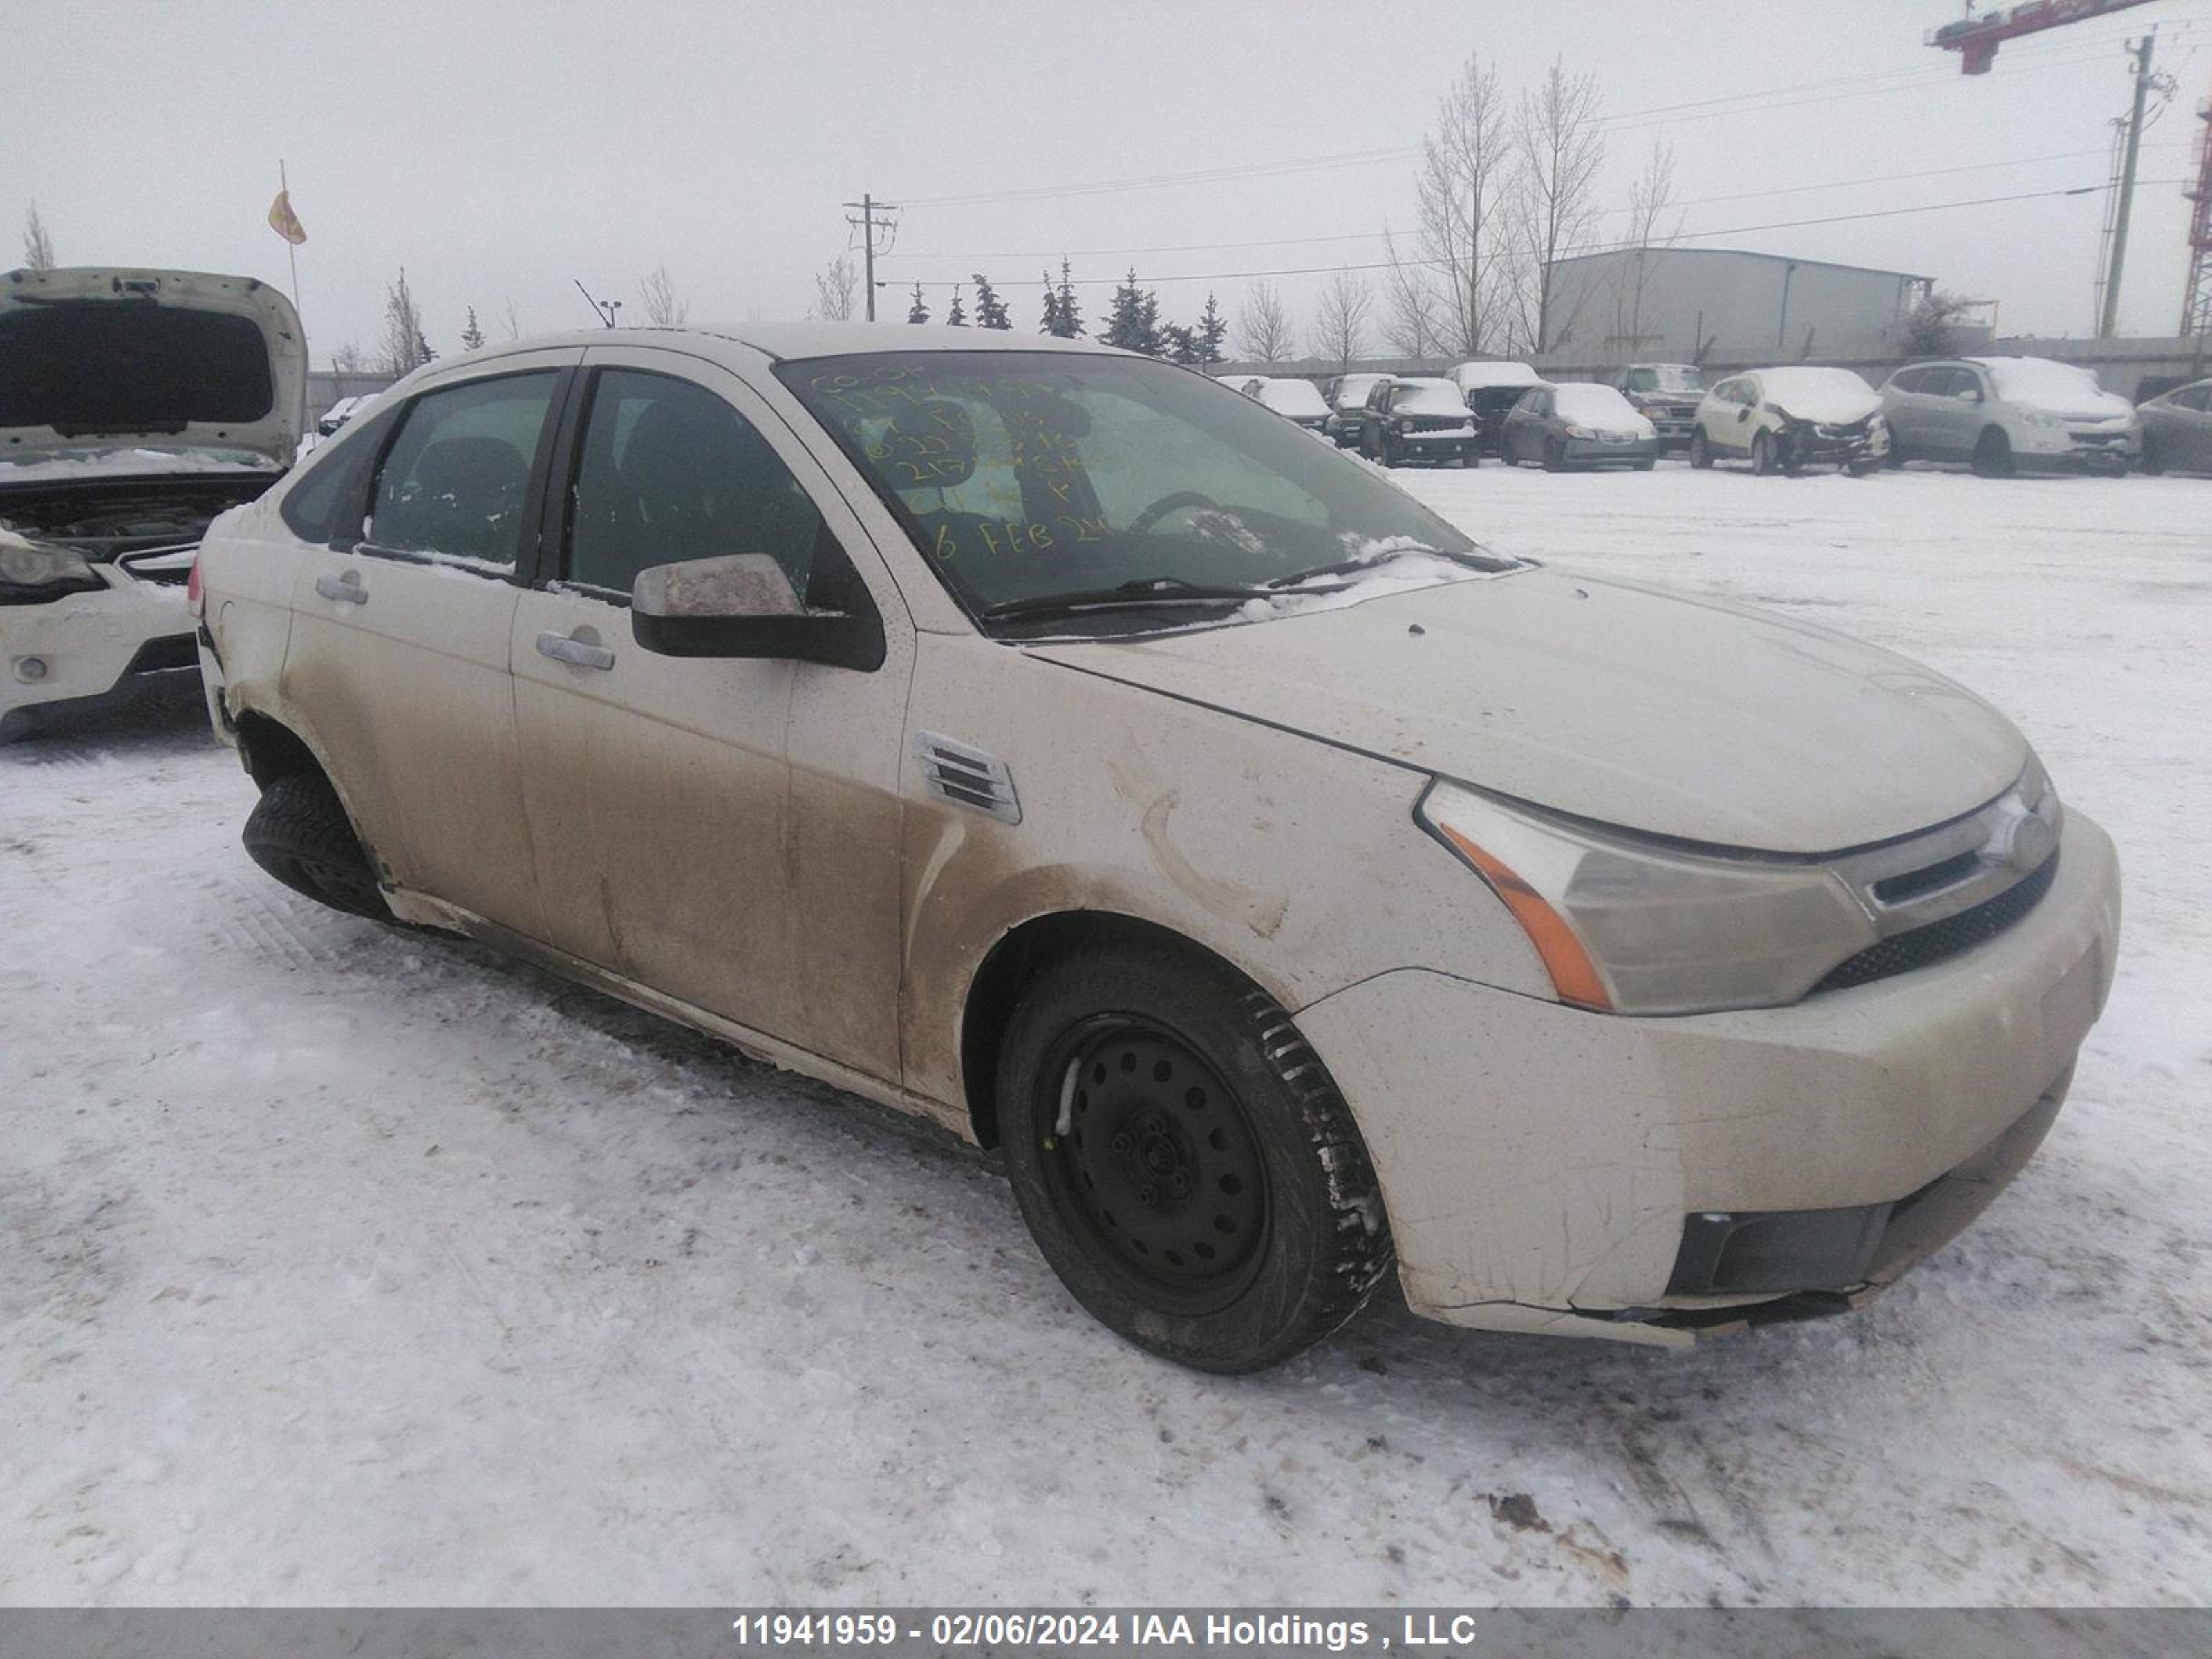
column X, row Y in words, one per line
column 1046, row 740
column 135, row 406
column 2005, row 415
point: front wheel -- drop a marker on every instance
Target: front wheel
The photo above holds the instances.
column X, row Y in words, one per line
column 1701, row 453
column 1183, row 1161
column 1763, row 461
column 1993, row 455
column 1555, row 458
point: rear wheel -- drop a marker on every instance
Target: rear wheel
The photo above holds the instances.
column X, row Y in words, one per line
column 300, row 834
column 1183, row 1161
column 1993, row 455
column 1701, row 453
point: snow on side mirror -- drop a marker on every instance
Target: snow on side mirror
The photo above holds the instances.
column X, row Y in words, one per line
column 744, row 605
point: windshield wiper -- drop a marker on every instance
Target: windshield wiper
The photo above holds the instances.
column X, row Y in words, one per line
column 1144, row 593
column 1348, row 567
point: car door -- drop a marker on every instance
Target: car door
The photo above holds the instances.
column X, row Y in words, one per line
column 398, row 655
column 1525, row 425
column 2185, row 432
column 1905, row 406
column 1956, row 419
column 723, row 830
column 1732, row 431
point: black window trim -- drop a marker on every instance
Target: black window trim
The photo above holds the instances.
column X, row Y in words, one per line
column 529, row 548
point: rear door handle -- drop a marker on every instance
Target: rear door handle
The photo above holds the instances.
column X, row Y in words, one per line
column 345, row 589
column 577, row 654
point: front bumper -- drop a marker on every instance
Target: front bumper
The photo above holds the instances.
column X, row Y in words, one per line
column 1600, row 452
column 78, row 655
column 2108, row 454
column 1444, row 444
column 1543, row 1167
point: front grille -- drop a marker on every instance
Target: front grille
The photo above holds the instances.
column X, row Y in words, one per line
column 1922, row 947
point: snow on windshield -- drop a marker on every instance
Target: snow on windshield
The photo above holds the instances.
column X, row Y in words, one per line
column 1289, row 396
column 1598, row 406
column 1819, row 394
column 2061, row 388
column 1428, row 397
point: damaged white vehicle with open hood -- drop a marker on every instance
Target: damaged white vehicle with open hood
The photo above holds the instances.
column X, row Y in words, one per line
column 1052, row 743
column 135, row 406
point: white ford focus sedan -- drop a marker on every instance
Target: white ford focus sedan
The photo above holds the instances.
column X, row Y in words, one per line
column 1053, row 744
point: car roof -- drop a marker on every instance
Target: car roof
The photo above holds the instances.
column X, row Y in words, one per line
column 777, row 340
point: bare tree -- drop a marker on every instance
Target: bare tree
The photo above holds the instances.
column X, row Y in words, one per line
column 349, row 359
column 405, row 347
column 663, row 309
column 1561, row 148
column 1929, row 328
column 1340, row 328
column 1654, row 226
column 1263, row 327
column 1412, row 320
column 837, row 288
column 37, row 242
column 1462, row 189
column 509, row 321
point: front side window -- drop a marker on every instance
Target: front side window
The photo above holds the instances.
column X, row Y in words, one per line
column 668, row 472
column 1026, row 475
column 456, row 481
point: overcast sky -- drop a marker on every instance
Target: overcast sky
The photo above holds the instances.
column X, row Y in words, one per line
column 499, row 152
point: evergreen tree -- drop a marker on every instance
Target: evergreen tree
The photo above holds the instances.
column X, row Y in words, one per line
column 1178, row 343
column 990, row 309
column 1213, row 329
column 1070, row 314
column 956, row 317
column 471, row 336
column 919, row 310
column 1051, row 322
column 1133, row 323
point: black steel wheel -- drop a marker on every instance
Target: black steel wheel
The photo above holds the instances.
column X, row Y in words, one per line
column 1183, row 1159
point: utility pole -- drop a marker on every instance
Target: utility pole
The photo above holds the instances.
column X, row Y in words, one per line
column 2110, row 320
column 867, row 224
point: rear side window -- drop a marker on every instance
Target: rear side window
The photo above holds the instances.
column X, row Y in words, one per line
column 456, row 480
column 324, row 505
column 669, row 473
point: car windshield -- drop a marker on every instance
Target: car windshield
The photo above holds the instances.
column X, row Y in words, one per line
column 1025, row 475
column 1594, row 405
column 1428, row 397
column 1666, row 377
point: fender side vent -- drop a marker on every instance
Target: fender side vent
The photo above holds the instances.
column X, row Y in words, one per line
column 966, row 776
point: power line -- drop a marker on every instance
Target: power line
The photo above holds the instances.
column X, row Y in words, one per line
column 1372, row 235
column 1610, row 247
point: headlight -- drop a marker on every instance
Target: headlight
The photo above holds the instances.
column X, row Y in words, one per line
column 33, row 575
column 1578, row 432
column 1630, row 926
column 1406, row 424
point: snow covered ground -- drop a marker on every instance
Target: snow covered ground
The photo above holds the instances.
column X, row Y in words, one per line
column 341, row 1264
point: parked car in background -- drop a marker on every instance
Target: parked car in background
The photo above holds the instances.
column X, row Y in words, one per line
column 1294, row 891
column 339, row 413
column 1577, row 424
column 135, row 406
column 1490, row 388
column 1296, row 400
column 2177, row 429
column 1417, row 419
column 1347, row 396
column 2005, row 415
column 1666, row 394
column 1784, row 420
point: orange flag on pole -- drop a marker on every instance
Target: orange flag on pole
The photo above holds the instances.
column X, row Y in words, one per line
column 285, row 223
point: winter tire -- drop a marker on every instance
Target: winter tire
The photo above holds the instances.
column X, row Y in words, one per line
column 1184, row 1162
column 298, row 833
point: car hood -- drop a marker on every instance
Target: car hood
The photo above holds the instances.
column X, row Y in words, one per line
column 162, row 361
column 1656, row 712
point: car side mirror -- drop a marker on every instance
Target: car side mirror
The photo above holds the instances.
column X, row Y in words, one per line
column 1971, row 394
column 744, row 605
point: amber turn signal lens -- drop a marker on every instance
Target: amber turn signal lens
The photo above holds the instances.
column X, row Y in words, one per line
column 1574, row 976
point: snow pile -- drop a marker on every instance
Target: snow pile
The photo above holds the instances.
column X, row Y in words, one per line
column 2054, row 388
column 1835, row 396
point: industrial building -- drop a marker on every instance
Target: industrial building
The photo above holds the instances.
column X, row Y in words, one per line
column 1686, row 305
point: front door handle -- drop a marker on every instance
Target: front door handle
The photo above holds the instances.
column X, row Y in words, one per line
column 577, row 654
column 345, row 589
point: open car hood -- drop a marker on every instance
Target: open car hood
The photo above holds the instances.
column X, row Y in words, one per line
column 144, row 362
column 1673, row 716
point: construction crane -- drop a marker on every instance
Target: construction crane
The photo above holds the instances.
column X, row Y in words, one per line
column 1976, row 39
column 2196, row 291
